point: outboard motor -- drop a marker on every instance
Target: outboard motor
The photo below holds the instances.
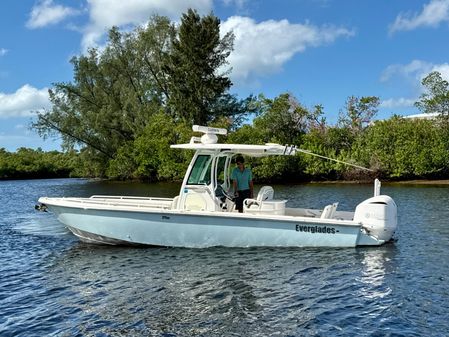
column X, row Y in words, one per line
column 378, row 216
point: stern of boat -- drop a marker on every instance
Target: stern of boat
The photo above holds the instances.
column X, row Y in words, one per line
column 378, row 217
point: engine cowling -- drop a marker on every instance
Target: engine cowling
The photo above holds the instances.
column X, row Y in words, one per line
column 378, row 216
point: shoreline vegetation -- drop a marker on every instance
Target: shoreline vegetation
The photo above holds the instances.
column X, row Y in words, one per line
column 423, row 182
column 129, row 101
column 63, row 172
column 28, row 163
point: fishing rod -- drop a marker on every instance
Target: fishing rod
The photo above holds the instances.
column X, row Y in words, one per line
column 296, row 149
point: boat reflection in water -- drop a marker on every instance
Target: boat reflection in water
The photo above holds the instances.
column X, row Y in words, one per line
column 217, row 291
column 376, row 266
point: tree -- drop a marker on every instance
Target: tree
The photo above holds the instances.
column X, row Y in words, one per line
column 281, row 120
column 359, row 112
column 284, row 119
column 198, row 91
column 404, row 148
column 436, row 99
column 28, row 163
column 113, row 93
column 153, row 70
column 149, row 157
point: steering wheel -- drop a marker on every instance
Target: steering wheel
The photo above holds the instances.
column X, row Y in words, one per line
column 219, row 192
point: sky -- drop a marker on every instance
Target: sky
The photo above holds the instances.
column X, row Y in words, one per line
column 320, row 51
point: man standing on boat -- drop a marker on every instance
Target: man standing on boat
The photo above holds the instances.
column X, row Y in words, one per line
column 242, row 179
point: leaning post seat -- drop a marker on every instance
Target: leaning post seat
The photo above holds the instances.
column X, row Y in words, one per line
column 265, row 193
column 264, row 204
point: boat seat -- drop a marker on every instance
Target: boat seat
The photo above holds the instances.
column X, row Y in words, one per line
column 265, row 193
column 195, row 202
column 329, row 211
column 264, row 204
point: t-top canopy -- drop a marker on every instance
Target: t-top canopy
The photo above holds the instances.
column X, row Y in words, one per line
column 250, row 150
column 208, row 142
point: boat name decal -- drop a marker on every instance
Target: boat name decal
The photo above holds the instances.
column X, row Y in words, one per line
column 316, row 229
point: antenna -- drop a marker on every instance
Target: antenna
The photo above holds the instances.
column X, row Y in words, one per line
column 207, row 129
column 210, row 134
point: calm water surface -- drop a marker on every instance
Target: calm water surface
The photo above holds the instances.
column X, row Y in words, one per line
column 53, row 285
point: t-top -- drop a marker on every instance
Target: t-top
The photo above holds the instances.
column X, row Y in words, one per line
column 243, row 178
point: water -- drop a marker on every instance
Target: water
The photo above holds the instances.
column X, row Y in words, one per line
column 53, row 285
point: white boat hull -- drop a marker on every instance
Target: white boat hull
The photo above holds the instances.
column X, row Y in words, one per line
column 204, row 214
column 201, row 229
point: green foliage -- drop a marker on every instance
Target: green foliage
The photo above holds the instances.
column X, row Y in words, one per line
column 359, row 112
column 397, row 148
column 113, row 92
column 436, row 99
column 284, row 120
column 281, row 120
column 194, row 83
column 28, row 163
column 404, row 148
column 278, row 169
column 329, row 142
column 128, row 102
column 157, row 74
column 149, row 157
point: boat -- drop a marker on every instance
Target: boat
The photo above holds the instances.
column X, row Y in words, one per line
column 204, row 215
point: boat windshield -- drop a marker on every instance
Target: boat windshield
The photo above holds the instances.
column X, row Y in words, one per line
column 200, row 173
column 221, row 170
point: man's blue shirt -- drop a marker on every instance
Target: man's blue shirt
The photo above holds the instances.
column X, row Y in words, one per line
column 243, row 178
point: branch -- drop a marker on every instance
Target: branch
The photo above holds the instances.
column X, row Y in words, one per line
column 74, row 92
column 163, row 88
column 55, row 127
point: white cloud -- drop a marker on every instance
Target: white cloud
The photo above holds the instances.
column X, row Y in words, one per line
column 23, row 102
column 107, row 13
column 412, row 70
column 25, row 138
column 432, row 14
column 3, row 51
column 443, row 69
column 415, row 71
column 238, row 3
column 394, row 103
column 263, row 48
column 46, row 13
